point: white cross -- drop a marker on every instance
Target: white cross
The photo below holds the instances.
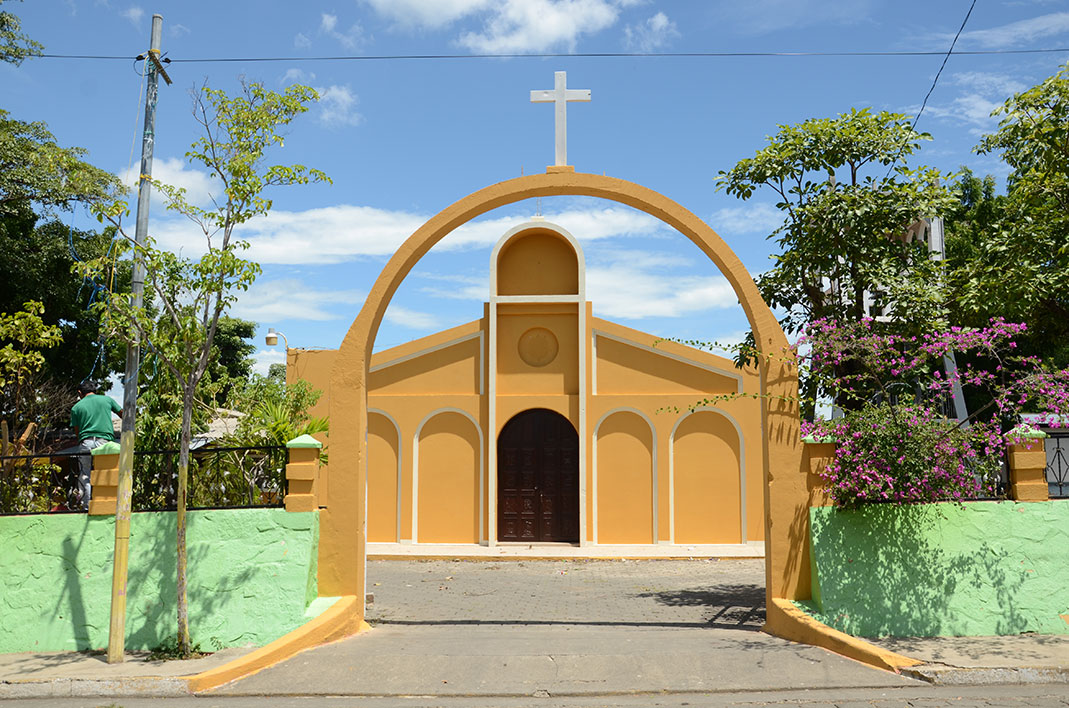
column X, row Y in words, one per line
column 560, row 96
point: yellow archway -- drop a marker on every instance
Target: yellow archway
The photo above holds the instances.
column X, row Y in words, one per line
column 342, row 525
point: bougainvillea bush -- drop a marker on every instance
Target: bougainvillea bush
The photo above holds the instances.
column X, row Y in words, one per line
column 895, row 442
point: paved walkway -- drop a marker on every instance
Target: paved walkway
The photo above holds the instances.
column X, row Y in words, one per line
column 569, row 632
column 562, row 628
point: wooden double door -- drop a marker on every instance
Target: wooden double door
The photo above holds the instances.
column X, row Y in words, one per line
column 538, row 478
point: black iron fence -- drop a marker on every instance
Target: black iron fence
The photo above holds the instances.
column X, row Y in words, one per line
column 219, row 477
column 1058, row 463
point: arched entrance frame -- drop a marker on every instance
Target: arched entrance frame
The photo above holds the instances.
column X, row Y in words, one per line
column 342, row 553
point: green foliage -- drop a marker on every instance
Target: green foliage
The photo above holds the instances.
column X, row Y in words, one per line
column 37, row 265
column 232, row 357
column 192, row 295
column 845, row 213
column 23, row 336
column 14, row 45
column 276, row 412
column 36, row 170
column 33, row 168
column 26, row 335
column 1010, row 254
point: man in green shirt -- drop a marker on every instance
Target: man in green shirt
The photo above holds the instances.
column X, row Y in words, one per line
column 91, row 420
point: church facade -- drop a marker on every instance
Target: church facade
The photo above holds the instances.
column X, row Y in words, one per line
column 542, row 423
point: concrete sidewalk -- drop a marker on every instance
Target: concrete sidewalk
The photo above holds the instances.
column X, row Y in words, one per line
column 556, row 627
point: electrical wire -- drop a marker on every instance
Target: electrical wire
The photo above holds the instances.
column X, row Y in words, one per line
column 576, row 55
column 935, row 81
column 942, row 66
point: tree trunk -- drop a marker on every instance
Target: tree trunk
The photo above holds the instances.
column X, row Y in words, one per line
column 184, row 645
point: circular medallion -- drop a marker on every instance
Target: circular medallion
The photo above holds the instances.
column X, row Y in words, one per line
column 538, row 346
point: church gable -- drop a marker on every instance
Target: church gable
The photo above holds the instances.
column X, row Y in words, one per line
column 627, row 362
column 449, row 362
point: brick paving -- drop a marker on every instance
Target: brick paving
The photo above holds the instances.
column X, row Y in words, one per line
column 661, row 593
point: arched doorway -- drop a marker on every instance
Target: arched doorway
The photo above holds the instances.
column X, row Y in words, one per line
column 538, row 478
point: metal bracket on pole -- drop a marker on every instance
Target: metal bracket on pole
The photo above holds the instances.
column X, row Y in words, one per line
column 153, row 55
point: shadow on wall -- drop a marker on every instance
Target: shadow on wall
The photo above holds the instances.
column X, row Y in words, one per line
column 151, row 589
column 251, row 577
column 974, row 569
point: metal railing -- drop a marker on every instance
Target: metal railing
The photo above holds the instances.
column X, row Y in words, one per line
column 1058, row 463
column 219, row 477
column 38, row 483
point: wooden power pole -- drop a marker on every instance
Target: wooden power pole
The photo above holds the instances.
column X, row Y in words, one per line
column 117, row 629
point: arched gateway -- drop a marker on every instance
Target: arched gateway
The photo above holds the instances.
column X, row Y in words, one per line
column 649, row 466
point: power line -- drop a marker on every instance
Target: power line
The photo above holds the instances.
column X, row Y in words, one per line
column 935, row 81
column 577, row 55
column 943, row 65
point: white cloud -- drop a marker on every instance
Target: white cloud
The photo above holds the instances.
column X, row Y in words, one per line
column 430, row 14
column 988, row 83
column 301, row 41
column 636, row 285
column 134, row 14
column 290, row 299
column 350, row 38
column 342, row 233
column 457, row 287
column 984, row 93
column 294, row 75
column 404, row 317
column 764, row 16
column 537, row 25
column 199, row 185
column 652, row 34
column 747, row 219
column 1015, row 33
column 264, row 358
column 627, row 284
column 337, row 106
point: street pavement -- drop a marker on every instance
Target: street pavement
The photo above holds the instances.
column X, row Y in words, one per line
column 562, row 628
column 524, row 633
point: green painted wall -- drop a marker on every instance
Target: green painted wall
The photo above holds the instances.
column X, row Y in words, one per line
column 976, row 569
column 252, row 574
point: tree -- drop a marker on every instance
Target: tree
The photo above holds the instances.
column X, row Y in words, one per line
column 14, row 45
column 232, row 359
column 276, row 412
column 1010, row 254
column 193, row 295
column 37, row 265
column 847, row 201
column 24, row 335
column 33, row 168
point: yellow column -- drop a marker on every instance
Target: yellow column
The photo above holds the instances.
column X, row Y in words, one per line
column 302, row 474
column 818, row 453
column 104, row 477
column 1028, row 465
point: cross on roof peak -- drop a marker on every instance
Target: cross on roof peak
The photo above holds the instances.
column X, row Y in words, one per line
column 560, row 95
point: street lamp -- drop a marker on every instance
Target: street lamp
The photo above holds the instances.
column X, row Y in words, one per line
column 272, row 338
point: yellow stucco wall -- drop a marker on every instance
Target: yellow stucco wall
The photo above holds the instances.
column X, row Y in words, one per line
column 705, row 470
column 537, row 262
column 656, row 472
column 449, row 451
column 384, row 446
column 624, row 471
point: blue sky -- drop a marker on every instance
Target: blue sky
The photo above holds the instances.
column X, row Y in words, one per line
column 402, row 139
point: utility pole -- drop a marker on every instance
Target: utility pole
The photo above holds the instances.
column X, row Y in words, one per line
column 124, row 494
